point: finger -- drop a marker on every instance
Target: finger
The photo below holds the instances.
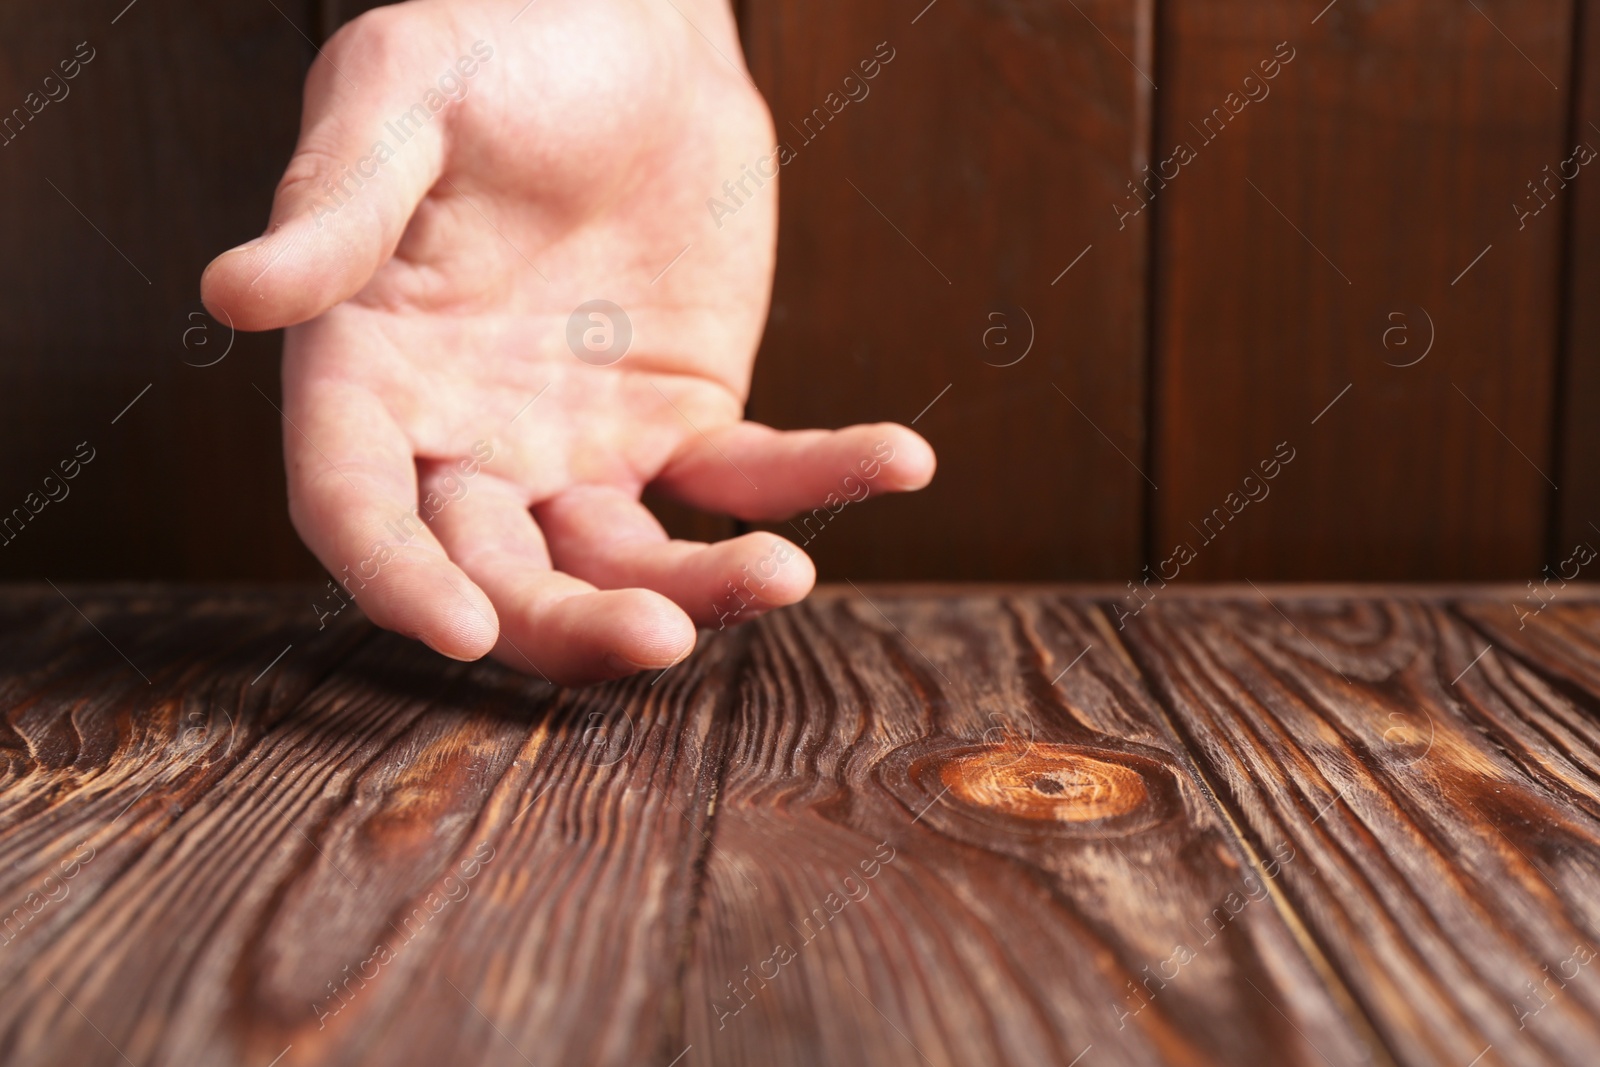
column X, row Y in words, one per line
column 369, row 151
column 607, row 537
column 353, row 500
column 551, row 624
column 752, row 471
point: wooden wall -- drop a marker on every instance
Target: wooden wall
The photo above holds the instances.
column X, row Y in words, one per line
column 165, row 150
column 1269, row 293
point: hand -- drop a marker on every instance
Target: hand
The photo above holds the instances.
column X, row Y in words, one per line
column 467, row 175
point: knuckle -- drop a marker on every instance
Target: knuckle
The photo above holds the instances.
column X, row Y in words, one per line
column 309, row 166
column 374, row 40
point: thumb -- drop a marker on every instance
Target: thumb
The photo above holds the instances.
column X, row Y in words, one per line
column 371, row 146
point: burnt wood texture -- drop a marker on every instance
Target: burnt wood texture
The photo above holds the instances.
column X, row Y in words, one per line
column 1367, row 231
column 888, row 826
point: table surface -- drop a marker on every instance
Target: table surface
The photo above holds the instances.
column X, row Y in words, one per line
column 888, row 826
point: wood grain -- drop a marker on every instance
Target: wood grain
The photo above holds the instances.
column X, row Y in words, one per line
column 926, row 852
column 308, row 892
column 1551, row 625
column 1441, row 793
column 887, row 826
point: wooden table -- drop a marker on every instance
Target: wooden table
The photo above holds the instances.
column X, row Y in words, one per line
column 901, row 826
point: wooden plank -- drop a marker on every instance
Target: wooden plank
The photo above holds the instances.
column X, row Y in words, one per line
column 1551, row 625
column 119, row 714
column 1443, row 798
column 1579, row 500
column 965, row 178
column 915, row 828
column 420, row 862
column 1363, row 183
column 163, row 150
column 926, row 852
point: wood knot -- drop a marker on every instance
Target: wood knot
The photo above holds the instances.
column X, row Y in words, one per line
column 1035, row 790
column 1048, row 783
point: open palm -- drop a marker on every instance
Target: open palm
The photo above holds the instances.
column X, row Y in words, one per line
column 467, row 431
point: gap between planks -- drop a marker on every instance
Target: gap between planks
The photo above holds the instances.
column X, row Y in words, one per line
column 676, row 1025
column 1333, row 981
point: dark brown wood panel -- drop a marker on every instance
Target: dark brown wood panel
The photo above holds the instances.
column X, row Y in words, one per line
column 926, row 852
column 924, row 239
column 1322, row 236
column 1443, row 798
column 1409, row 182
column 161, row 151
column 1579, row 499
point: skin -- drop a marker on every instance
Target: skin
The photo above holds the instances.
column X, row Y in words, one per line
column 427, row 297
